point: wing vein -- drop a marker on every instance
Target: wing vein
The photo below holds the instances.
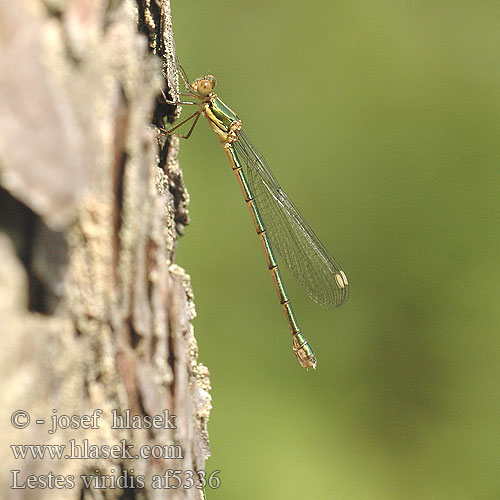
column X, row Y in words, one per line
column 294, row 241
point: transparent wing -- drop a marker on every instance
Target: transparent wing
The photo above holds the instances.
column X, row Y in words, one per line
column 291, row 236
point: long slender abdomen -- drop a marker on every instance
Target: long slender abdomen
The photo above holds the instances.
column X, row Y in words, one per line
column 301, row 347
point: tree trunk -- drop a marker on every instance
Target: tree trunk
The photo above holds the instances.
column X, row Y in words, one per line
column 96, row 316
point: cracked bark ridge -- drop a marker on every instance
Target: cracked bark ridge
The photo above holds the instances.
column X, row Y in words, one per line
column 96, row 314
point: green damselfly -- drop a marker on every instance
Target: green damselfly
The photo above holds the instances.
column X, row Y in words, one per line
column 277, row 221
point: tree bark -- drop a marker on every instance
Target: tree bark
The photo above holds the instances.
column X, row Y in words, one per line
column 95, row 313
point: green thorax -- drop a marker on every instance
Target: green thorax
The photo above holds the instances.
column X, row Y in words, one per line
column 220, row 115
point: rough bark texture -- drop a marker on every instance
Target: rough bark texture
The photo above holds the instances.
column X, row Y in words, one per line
column 95, row 313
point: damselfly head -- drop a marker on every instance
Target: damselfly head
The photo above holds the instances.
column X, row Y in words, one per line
column 204, row 86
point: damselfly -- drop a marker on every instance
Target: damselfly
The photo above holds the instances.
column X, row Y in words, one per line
column 277, row 221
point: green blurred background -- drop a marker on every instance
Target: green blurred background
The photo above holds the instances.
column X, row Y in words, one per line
column 382, row 122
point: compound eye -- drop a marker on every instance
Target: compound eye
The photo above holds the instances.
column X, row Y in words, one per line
column 206, row 85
